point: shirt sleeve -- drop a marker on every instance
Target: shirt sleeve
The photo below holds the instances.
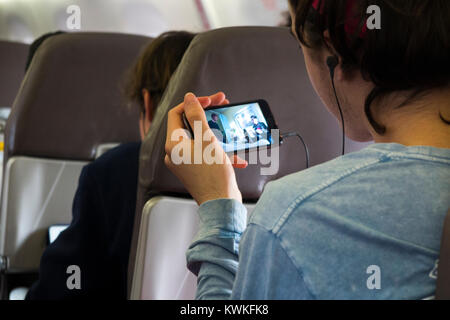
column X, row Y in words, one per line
column 213, row 254
column 263, row 270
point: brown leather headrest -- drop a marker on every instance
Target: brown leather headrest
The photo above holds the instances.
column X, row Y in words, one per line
column 13, row 56
column 246, row 63
column 70, row 100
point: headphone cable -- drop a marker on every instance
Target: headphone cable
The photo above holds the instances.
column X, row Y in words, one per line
column 298, row 135
column 332, row 63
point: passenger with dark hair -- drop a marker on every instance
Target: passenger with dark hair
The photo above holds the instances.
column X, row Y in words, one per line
column 213, row 122
column 366, row 225
column 259, row 127
column 152, row 72
column 99, row 237
column 214, row 125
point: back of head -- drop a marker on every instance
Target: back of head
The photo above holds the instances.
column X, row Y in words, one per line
column 155, row 66
column 409, row 52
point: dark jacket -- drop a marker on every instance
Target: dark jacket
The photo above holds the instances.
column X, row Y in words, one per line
column 99, row 236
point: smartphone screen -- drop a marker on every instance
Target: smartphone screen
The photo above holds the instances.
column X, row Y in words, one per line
column 54, row 231
column 242, row 126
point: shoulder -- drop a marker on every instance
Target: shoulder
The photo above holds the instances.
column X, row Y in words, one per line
column 123, row 153
column 376, row 172
column 384, row 203
column 282, row 196
column 121, row 161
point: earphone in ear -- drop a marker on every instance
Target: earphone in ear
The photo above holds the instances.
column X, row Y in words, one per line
column 332, row 63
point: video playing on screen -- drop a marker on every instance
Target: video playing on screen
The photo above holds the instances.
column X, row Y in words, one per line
column 239, row 127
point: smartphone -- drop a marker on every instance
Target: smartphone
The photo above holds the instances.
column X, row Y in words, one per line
column 241, row 126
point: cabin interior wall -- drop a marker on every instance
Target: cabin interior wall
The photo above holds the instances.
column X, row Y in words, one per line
column 25, row 20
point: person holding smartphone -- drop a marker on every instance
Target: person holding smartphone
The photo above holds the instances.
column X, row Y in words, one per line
column 366, row 225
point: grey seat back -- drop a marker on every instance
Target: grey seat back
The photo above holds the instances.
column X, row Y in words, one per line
column 69, row 106
column 250, row 63
column 13, row 57
column 443, row 280
column 168, row 226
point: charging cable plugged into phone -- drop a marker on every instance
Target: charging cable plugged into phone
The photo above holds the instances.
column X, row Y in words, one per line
column 298, row 135
column 245, row 126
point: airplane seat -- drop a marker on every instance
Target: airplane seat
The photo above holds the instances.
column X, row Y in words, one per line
column 68, row 108
column 13, row 57
column 443, row 276
column 246, row 63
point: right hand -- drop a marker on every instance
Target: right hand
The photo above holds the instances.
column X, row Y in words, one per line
column 203, row 181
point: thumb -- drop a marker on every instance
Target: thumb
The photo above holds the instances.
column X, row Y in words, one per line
column 194, row 112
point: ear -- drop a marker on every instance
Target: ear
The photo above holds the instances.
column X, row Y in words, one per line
column 148, row 105
column 330, row 51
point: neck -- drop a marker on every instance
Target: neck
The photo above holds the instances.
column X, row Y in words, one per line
column 418, row 123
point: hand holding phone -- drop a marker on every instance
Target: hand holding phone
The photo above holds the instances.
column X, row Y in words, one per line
column 204, row 181
column 240, row 126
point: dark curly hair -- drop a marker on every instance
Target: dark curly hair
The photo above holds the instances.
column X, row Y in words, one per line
column 410, row 52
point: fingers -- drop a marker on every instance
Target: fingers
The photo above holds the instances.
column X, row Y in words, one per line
column 168, row 162
column 204, row 101
column 238, row 162
column 175, row 115
column 217, row 99
column 174, row 120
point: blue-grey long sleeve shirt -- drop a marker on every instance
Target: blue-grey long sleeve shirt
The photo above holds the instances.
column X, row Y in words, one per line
column 363, row 226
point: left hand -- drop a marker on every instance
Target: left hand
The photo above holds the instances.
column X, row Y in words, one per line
column 203, row 181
